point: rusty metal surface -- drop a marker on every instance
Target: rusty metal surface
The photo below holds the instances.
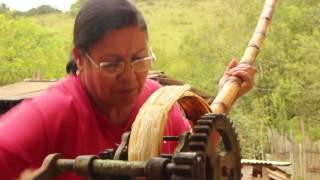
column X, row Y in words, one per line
column 225, row 162
column 284, row 167
column 192, row 161
column 262, row 162
column 165, row 80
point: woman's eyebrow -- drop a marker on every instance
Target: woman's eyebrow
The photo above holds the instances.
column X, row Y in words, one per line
column 140, row 50
column 112, row 55
column 119, row 56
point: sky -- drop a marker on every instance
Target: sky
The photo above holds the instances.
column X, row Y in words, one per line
column 25, row 5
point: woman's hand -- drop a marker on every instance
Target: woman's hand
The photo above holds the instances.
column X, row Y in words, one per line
column 245, row 72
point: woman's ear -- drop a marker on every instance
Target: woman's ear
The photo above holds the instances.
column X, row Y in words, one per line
column 78, row 58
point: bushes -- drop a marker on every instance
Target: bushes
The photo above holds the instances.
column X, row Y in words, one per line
column 26, row 47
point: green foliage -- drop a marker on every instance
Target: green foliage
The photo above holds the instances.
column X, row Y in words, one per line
column 75, row 7
column 26, row 47
column 43, row 9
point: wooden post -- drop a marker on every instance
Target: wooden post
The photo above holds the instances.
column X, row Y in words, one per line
column 303, row 153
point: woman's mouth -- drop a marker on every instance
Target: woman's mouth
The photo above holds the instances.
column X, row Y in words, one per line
column 126, row 91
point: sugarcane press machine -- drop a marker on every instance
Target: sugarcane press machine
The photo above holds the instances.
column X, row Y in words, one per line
column 192, row 160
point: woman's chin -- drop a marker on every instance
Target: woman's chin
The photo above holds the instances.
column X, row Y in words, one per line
column 125, row 100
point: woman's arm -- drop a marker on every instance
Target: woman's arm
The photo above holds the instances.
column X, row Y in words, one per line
column 22, row 140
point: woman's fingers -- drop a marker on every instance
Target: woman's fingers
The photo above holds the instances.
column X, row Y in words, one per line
column 247, row 81
column 233, row 63
column 243, row 67
column 245, row 72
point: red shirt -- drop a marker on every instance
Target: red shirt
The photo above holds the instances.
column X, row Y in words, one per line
column 64, row 120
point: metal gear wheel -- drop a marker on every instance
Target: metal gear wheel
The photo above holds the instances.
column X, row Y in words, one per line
column 223, row 164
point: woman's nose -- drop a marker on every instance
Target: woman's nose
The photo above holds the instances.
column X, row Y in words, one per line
column 127, row 73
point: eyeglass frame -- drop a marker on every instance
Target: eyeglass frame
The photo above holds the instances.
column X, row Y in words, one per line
column 152, row 57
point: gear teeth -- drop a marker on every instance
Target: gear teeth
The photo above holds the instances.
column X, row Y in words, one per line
column 183, row 166
column 214, row 116
column 197, row 146
column 199, row 142
column 183, row 170
column 199, row 137
column 202, row 129
column 235, row 132
column 182, row 159
column 177, row 177
column 205, row 122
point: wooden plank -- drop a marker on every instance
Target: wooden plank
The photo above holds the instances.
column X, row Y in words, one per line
column 22, row 90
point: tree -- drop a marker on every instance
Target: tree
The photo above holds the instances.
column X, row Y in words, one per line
column 3, row 8
column 75, row 7
column 26, row 47
column 43, row 9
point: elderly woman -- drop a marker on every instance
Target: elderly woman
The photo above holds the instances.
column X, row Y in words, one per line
column 87, row 112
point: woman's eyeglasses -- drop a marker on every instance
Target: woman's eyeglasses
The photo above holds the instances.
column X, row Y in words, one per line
column 116, row 67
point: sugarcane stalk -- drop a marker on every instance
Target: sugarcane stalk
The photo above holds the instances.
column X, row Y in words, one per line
column 228, row 93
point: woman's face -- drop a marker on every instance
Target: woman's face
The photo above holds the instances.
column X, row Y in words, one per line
column 115, row 90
